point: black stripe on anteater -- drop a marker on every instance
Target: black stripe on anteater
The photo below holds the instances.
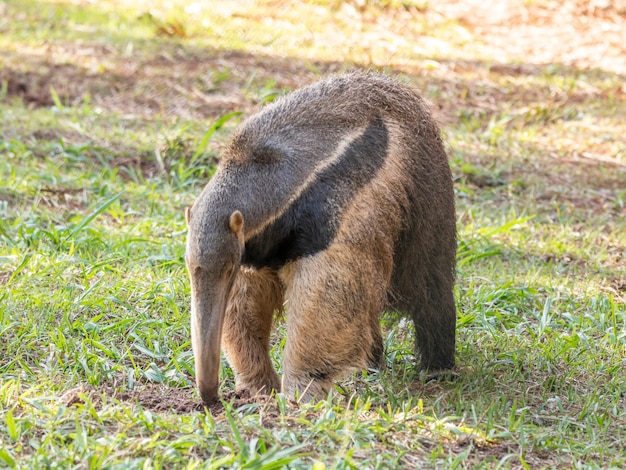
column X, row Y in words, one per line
column 310, row 224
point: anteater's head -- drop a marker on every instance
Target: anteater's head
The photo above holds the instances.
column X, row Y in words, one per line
column 213, row 256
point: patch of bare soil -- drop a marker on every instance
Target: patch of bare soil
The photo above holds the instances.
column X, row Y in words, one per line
column 177, row 81
column 164, row 399
column 69, row 199
column 180, row 80
column 579, row 33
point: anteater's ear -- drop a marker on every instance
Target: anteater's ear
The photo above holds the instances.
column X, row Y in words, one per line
column 236, row 222
column 187, row 214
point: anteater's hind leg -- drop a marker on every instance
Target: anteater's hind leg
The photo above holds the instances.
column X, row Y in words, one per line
column 433, row 310
column 435, row 324
column 334, row 300
column 423, row 282
column 254, row 298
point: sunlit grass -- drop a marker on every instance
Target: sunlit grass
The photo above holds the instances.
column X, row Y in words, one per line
column 94, row 293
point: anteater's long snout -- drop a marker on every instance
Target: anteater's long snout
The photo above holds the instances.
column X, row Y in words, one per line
column 208, row 306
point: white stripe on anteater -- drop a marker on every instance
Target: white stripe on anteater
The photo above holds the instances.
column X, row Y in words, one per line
column 334, row 157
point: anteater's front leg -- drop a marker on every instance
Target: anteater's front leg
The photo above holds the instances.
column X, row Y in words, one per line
column 334, row 300
column 255, row 296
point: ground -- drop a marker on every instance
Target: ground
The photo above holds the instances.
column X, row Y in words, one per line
column 112, row 117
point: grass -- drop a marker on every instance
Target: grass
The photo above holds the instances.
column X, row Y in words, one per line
column 112, row 120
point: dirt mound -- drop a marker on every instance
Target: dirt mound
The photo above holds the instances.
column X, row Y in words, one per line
column 161, row 399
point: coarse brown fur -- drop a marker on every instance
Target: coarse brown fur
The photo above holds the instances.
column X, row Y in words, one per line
column 346, row 204
column 255, row 296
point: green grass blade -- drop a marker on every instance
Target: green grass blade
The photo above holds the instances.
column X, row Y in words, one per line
column 7, row 458
column 233, row 427
column 55, row 98
column 209, row 133
column 21, row 266
column 87, row 220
